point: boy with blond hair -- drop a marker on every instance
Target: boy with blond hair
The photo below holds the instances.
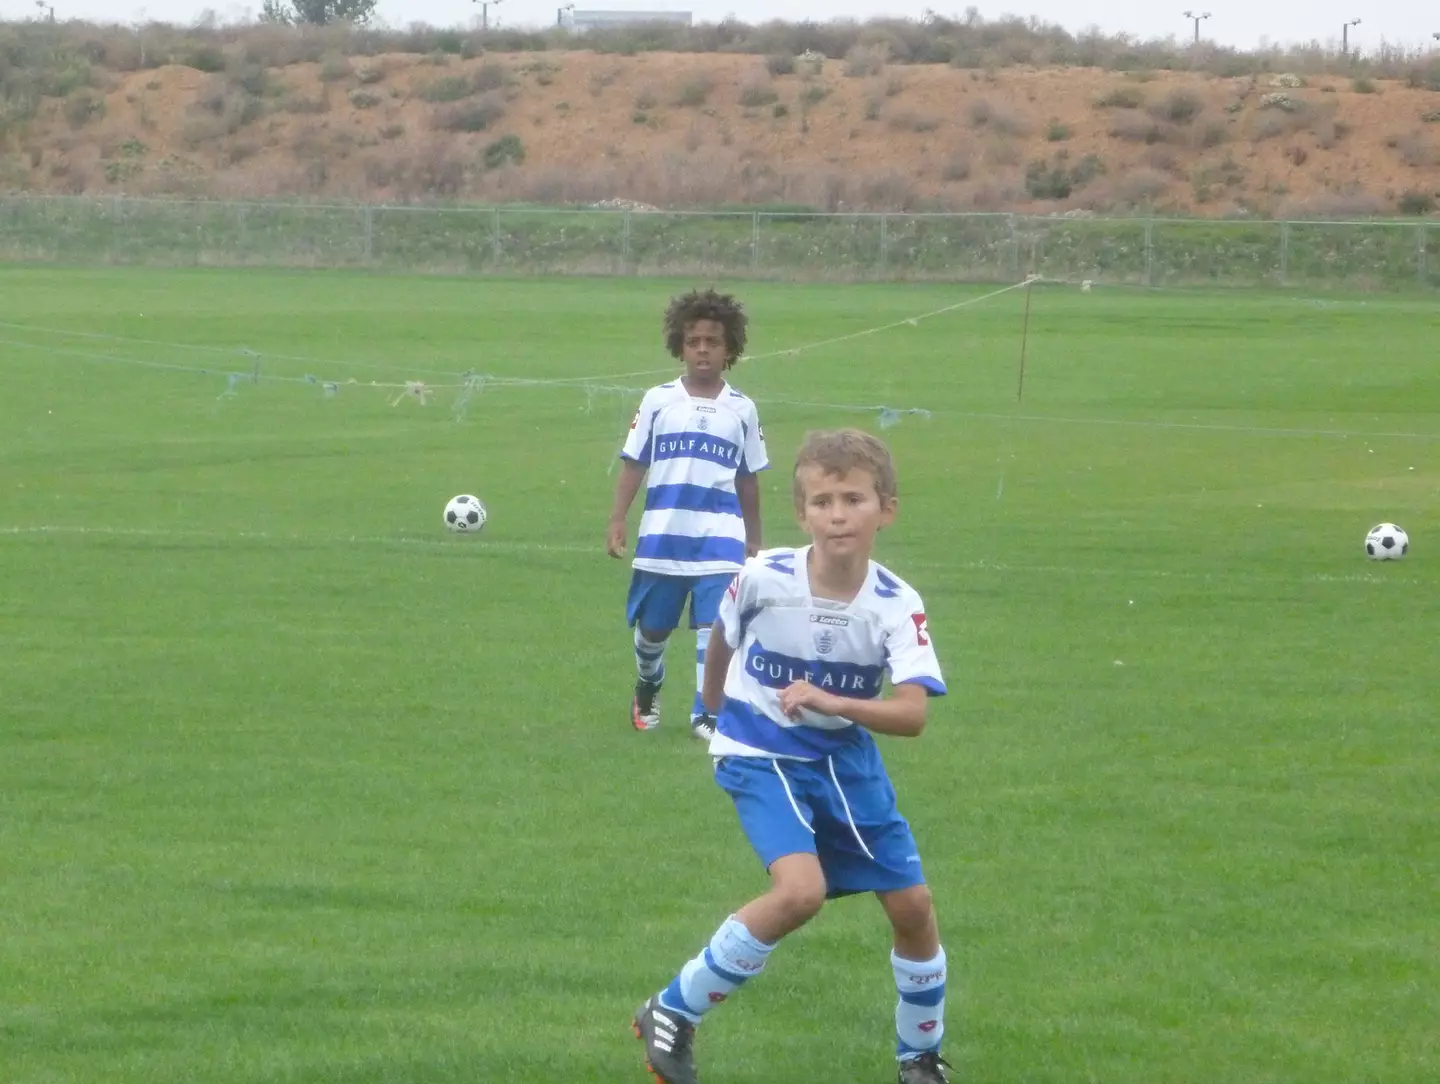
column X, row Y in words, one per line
column 803, row 643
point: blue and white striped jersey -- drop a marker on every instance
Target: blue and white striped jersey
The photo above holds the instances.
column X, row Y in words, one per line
column 693, row 449
column 782, row 634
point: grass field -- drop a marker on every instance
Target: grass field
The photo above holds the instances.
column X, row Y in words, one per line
column 296, row 787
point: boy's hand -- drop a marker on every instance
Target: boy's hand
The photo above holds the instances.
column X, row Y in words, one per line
column 752, row 549
column 802, row 694
column 615, row 538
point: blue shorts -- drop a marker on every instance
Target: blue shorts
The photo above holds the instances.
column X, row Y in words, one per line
column 656, row 600
column 840, row 809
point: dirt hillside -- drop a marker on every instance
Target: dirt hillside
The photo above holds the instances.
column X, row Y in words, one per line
column 706, row 129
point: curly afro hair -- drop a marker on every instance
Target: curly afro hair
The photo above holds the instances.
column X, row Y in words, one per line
column 706, row 305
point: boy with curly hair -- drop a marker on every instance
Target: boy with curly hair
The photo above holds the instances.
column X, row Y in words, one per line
column 696, row 445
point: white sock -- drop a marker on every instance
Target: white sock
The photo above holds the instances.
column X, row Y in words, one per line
column 920, row 1012
column 731, row 959
column 702, row 641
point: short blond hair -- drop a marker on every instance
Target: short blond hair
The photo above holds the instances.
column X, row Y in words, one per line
column 839, row 451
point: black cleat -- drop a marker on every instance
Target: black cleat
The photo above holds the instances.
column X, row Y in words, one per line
column 928, row 1068
column 645, row 708
column 669, row 1040
column 703, row 726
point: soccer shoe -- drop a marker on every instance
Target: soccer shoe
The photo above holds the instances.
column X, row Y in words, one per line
column 645, row 708
column 703, row 726
column 928, row 1068
column 669, row 1040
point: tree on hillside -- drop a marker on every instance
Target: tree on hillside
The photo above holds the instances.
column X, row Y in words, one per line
column 317, row 12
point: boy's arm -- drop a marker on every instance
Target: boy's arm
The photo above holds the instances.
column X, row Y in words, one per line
column 747, row 488
column 901, row 714
column 632, row 475
column 718, row 654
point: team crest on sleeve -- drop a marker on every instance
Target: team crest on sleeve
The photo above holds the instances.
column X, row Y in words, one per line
column 922, row 629
column 635, row 421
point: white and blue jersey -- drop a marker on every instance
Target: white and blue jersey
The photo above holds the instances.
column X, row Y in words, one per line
column 693, row 449
column 816, row 785
column 781, row 634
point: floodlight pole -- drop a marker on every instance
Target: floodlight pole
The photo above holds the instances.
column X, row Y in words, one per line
column 1345, row 36
column 1196, row 19
column 485, row 6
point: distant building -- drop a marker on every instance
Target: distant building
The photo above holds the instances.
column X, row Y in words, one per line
column 604, row 20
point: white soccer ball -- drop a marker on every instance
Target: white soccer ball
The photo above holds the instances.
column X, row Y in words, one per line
column 1386, row 542
column 465, row 513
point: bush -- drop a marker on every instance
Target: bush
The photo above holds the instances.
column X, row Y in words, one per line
column 780, row 64
column 756, row 95
column 474, row 116
column 206, row 58
column 1057, row 132
column 489, row 76
column 1362, row 85
column 1179, row 107
column 83, row 107
column 507, row 150
column 695, row 92
column 1059, row 181
column 814, row 94
column 334, row 68
column 363, row 99
column 1417, row 203
column 449, row 88
column 864, row 60
column 1122, row 98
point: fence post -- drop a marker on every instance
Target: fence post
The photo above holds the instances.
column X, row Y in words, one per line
column 1284, row 253
column 368, row 223
column 625, row 258
column 1014, row 249
column 495, row 238
column 1149, row 252
column 115, row 206
column 884, row 243
column 1422, row 259
column 755, row 242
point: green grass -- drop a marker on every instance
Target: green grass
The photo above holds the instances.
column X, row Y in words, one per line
column 296, row 787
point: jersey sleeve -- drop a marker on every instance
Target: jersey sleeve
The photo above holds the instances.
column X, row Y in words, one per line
column 737, row 605
column 910, row 655
column 755, row 457
column 642, row 428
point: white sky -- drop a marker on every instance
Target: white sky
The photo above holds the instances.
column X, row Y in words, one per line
column 1407, row 22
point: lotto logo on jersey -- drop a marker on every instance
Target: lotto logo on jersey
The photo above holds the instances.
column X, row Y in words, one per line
column 734, row 589
column 922, row 629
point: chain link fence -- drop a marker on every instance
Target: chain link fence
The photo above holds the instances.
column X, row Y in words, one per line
column 855, row 247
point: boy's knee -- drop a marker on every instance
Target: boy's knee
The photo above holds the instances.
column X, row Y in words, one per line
column 801, row 894
column 911, row 910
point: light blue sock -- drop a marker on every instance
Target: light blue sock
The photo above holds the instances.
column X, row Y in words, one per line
column 649, row 657
column 702, row 641
column 920, row 1012
column 732, row 958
